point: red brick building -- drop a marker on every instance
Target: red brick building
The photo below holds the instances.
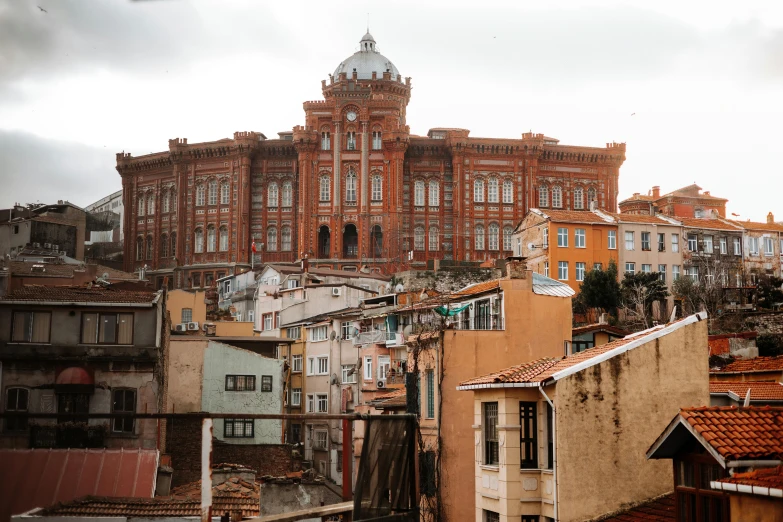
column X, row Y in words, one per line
column 687, row 201
column 350, row 187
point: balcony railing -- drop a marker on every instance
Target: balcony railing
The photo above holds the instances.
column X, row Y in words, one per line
column 483, row 322
column 379, row 337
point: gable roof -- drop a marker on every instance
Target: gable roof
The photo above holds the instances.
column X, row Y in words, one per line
column 81, row 295
column 659, row 509
column 755, row 225
column 573, row 216
column 478, row 288
column 765, row 482
column 756, row 364
column 708, row 223
column 728, row 433
column 759, row 391
column 545, row 370
column 599, row 327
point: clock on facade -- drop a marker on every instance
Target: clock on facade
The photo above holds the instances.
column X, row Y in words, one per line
column 351, row 116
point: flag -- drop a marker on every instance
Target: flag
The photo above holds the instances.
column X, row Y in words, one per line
column 253, row 246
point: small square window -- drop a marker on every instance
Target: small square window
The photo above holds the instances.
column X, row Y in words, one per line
column 266, row 383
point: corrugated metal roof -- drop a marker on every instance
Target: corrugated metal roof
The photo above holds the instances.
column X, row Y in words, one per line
column 42, row 477
column 543, row 285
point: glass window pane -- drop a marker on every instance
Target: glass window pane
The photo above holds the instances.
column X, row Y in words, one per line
column 89, row 328
column 108, row 328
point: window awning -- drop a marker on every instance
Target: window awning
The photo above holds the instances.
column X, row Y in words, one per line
column 74, row 379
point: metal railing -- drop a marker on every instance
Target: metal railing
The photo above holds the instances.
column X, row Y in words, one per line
column 483, row 322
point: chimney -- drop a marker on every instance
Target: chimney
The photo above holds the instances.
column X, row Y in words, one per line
column 516, row 268
column 770, row 218
column 656, row 191
column 305, row 265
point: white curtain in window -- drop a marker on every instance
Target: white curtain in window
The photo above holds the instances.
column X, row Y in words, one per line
column 223, row 239
column 287, row 194
column 557, row 197
column 271, row 239
column 211, row 239
column 418, row 238
column 271, row 195
column 494, row 233
column 478, row 191
column 198, row 241
column 492, row 190
column 434, row 193
column 350, row 187
column 225, row 193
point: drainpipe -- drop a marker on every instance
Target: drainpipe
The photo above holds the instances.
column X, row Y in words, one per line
column 554, row 450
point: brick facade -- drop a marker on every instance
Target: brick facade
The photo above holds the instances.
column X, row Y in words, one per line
column 351, row 186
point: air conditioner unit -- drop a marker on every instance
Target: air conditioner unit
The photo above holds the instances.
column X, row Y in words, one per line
column 192, row 326
column 381, row 384
column 335, row 291
column 47, row 245
column 181, row 327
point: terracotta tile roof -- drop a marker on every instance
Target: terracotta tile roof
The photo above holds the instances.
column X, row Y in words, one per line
column 233, row 495
column 754, row 225
column 739, row 433
column 574, row 216
column 658, row 509
column 710, row 223
column 400, row 392
column 756, row 364
column 638, row 218
column 764, row 477
column 768, row 391
column 80, row 294
column 478, row 288
column 114, row 274
column 25, row 268
column 720, row 344
column 638, row 197
column 523, row 373
column 396, row 399
column 598, row 327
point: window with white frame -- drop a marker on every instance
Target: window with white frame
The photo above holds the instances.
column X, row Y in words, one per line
column 296, row 363
column 213, row 192
column 250, row 315
column 418, row 193
column 350, row 187
column 545, row 237
column 271, row 239
column 707, row 242
column 348, row 374
column 418, row 238
column 323, row 365
column 326, row 141
column 377, row 188
column 478, row 191
column 376, row 140
column 384, row 363
column 675, row 243
column 646, row 241
column 646, row 268
column 692, row 272
column 434, row 193
column 434, row 239
column 223, row 233
column 318, row 333
column 543, row 196
column 753, row 246
column 492, row 190
column 367, row 368
column 310, row 403
column 320, row 438
column 479, row 237
column 562, row 270
column 769, row 246
column 266, row 320
column 579, row 198
column 630, row 268
column 693, row 242
column 562, row 237
column 737, row 246
column 494, row 236
column 507, row 231
column 662, row 273
column 580, row 271
column 321, row 403
column 661, row 242
column 288, row 192
column 557, row 197
column 325, row 189
column 612, row 239
column 200, row 195
column 508, row 191
column 579, row 238
column 675, row 272
column 724, row 245
column 346, row 330
column 294, row 332
column 629, row 241
column 285, row 239
column 225, row 193
column 546, row 268
column 296, row 396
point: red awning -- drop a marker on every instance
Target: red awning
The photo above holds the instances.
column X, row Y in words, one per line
column 75, row 375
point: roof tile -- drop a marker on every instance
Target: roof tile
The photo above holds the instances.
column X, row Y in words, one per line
column 658, row 509
column 79, row 294
column 765, row 478
column 574, row 216
column 739, row 433
column 771, row 391
column 756, row 364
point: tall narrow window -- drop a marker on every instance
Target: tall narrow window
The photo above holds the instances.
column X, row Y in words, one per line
column 165, row 202
column 492, row 190
column 271, row 195
column 211, row 239
column 550, row 437
column 430, row 394
column 149, row 248
column 562, row 237
column 580, row 271
column 287, row 194
column 707, row 241
column 350, row 140
column 675, row 243
column 141, row 205
column 325, row 189
column 579, row 198
column 494, row 236
column 225, row 193
column 139, row 249
column 376, row 186
column 271, row 239
column 150, row 204
column 579, row 237
column 173, row 243
column 562, row 270
column 478, row 191
column 629, row 240
column 434, row 239
column 491, row 448
column 661, row 242
column 479, row 237
column 164, row 246
column 434, row 193
column 591, row 196
column 418, row 193
column 16, row 400
column 350, row 187
column 646, row 241
column 173, row 202
column 198, row 241
column 213, row 192
column 326, row 141
column 507, row 231
column 528, row 435
column 508, row 191
column 557, row 197
column 612, row 239
column 376, row 140
column 285, row 239
column 223, row 239
column 200, row 196
column 543, row 196
column 123, row 401
column 418, row 238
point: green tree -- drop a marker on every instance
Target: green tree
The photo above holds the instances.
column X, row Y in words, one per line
column 600, row 289
column 769, row 291
column 639, row 292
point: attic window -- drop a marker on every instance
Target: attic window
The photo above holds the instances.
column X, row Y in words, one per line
column 38, row 268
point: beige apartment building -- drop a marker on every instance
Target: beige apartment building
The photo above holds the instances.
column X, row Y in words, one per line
column 565, row 438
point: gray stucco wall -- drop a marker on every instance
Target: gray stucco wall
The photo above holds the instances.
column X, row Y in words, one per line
column 221, row 360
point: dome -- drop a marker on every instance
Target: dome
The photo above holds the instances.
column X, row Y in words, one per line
column 365, row 61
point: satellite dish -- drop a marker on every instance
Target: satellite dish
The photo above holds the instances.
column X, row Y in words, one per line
column 334, row 379
column 388, row 288
column 399, row 288
column 531, row 246
column 105, row 275
column 333, row 335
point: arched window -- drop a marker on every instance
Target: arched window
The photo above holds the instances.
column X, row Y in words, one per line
column 508, row 191
column 478, row 191
column 139, row 248
column 164, row 246
column 271, row 195
column 200, row 191
column 377, row 187
column 225, row 193
column 418, row 194
column 149, row 248
column 507, row 231
column 325, row 189
column 211, row 238
column 198, row 241
column 287, row 194
column 326, row 141
column 223, row 239
column 165, row 201
column 285, row 239
column 557, row 197
column 434, row 239
column 271, row 239
column 173, row 244
column 150, row 204
column 543, row 196
column 173, row 203
column 350, row 187
column 213, row 192
column 434, row 193
column 579, row 200
column 492, row 190
column 479, row 239
column 418, row 238
column 141, row 205
column 376, row 139
column 590, row 196
column 376, row 241
column 494, row 233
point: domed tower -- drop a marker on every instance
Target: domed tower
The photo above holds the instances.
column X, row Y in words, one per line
column 351, row 155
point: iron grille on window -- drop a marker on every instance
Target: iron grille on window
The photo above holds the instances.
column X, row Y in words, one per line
column 241, row 382
column 266, row 383
column 528, row 436
column 124, row 402
column 491, row 450
column 238, row 428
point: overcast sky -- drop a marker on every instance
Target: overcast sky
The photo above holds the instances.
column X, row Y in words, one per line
column 694, row 88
